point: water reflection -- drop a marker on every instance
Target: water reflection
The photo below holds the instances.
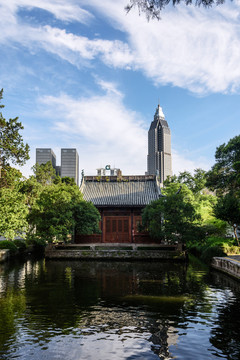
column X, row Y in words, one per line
column 110, row 310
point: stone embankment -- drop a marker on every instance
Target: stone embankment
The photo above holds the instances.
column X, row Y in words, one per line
column 229, row 265
column 115, row 252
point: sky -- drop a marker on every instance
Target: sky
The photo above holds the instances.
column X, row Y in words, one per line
column 85, row 74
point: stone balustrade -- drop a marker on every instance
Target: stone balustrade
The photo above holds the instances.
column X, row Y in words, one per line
column 229, row 265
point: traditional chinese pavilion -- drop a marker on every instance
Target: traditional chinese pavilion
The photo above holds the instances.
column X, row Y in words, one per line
column 120, row 200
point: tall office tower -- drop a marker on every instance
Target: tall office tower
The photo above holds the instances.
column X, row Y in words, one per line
column 159, row 147
column 70, row 164
column 44, row 155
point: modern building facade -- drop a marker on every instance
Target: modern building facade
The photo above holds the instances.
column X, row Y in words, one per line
column 159, row 160
column 70, row 164
column 44, row 155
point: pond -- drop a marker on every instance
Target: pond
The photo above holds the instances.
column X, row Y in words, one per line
column 72, row 310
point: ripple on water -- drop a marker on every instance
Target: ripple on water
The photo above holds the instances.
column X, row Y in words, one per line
column 138, row 311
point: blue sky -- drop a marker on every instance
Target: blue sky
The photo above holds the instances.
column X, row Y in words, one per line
column 85, row 74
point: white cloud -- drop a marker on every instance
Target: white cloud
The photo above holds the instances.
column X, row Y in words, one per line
column 108, row 86
column 62, row 10
column 114, row 134
column 190, row 47
column 73, row 48
column 182, row 162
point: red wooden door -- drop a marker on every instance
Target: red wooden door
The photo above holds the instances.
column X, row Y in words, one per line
column 117, row 229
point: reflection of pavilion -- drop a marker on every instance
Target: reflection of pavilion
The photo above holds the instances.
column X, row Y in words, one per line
column 121, row 286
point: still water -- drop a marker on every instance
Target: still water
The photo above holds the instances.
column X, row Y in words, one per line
column 72, row 310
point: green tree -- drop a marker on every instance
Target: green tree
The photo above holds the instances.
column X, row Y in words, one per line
column 228, row 209
column 12, row 147
column 172, row 216
column 68, row 180
column 202, row 201
column 87, row 218
column 196, row 182
column 152, row 8
column 225, row 174
column 44, row 173
column 13, row 213
column 58, row 210
column 31, row 188
column 11, row 178
column 57, row 180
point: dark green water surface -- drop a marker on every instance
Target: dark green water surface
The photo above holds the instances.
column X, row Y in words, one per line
column 72, row 310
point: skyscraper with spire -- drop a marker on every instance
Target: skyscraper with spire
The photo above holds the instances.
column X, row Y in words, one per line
column 159, row 161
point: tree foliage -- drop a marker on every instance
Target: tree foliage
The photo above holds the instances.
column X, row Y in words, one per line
column 224, row 178
column 202, row 201
column 225, row 174
column 12, row 148
column 152, row 8
column 196, row 182
column 31, row 188
column 44, row 173
column 87, row 218
column 58, row 210
column 13, row 213
column 66, row 179
column 228, row 209
column 172, row 216
column 185, row 212
column 11, row 178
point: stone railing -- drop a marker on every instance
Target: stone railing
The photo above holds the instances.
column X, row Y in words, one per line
column 228, row 265
column 114, row 251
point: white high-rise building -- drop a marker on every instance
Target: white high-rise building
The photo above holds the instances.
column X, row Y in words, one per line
column 70, row 164
column 44, row 155
column 159, row 161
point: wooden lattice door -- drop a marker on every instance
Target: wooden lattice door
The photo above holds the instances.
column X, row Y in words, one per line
column 117, row 229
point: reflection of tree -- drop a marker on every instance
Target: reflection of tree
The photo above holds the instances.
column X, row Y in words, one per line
column 12, row 304
column 225, row 332
column 60, row 294
column 152, row 300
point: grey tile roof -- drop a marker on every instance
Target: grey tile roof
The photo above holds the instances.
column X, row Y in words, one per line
column 123, row 193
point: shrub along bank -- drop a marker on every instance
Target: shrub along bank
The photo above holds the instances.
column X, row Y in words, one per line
column 23, row 246
column 213, row 246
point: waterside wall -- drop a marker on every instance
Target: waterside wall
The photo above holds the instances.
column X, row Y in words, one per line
column 115, row 252
column 229, row 265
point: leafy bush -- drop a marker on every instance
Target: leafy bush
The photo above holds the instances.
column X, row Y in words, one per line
column 210, row 252
column 231, row 249
column 36, row 241
column 20, row 244
column 217, row 240
column 213, row 246
column 6, row 244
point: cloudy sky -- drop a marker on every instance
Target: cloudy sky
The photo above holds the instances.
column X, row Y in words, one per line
column 84, row 74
